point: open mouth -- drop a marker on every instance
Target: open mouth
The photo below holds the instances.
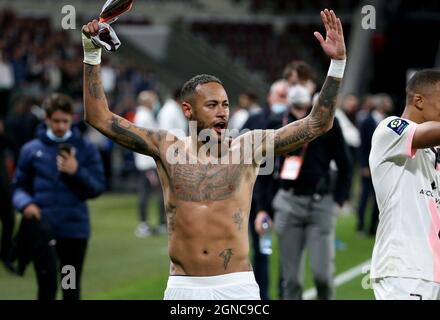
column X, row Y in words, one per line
column 219, row 127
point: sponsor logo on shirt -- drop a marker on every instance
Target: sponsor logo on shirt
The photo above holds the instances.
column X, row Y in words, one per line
column 430, row 193
column 398, row 125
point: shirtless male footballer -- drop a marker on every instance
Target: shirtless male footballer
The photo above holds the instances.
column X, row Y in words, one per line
column 207, row 201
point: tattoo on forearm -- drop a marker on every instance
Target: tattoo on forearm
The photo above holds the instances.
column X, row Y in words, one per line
column 93, row 82
column 302, row 131
column 226, row 255
column 324, row 111
column 299, row 135
column 238, row 218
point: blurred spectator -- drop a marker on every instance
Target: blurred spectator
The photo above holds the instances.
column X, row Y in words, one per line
column 247, row 105
column 171, row 116
column 346, row 116
column 367, row 106
column 305, row 209
column 56, row 173
column 149, row 183
column 22, row 123
column 383, row 107
column 108, row 76
column 265, row 186
column 7, row 216
column 6, row 84
column 105, row 148
column 300, row 72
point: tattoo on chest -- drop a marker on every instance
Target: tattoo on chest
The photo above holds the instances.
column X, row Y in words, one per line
column 200, row 182
column 238, row 218
column 226, row 255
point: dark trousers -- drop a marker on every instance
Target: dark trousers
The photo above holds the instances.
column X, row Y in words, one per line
column 49, row 264
column 261, row 261
column 149, row 185
column 367, row 193
column 7, row 220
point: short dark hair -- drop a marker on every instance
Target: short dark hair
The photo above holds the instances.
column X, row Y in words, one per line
column 304, row 70
column 422, row 79
column 58, row 102
column 189, row 88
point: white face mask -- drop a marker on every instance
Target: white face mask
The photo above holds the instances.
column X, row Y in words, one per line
column 279, row 107
column 54, row 138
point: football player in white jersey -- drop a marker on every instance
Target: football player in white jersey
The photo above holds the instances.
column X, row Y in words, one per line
column 404, row 169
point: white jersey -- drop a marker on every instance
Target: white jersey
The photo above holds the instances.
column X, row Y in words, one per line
column 407, row 188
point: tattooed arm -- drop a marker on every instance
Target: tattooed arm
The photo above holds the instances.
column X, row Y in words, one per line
column 98, row 115
column 320, row 120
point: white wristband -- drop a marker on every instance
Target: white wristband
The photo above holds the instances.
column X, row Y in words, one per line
column 336, row 68
column 92, row 54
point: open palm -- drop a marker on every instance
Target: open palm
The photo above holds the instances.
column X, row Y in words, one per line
column 333, row 45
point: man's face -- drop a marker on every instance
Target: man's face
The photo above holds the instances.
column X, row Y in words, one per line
column 210, row 108
column 429, row 100
column 350, row 104
column 59, row 122
column 278, row 95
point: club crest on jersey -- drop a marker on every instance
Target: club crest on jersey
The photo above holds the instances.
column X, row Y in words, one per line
column 398, row 125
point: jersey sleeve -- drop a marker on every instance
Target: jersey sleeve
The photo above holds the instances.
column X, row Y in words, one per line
column 394, row 138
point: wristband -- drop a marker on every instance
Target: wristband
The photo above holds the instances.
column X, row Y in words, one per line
column 336, row 68
column 92, row 54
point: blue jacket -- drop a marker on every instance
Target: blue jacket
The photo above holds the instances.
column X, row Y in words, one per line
column 62, row 198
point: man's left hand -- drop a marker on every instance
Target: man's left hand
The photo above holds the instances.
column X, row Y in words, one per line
column 67, row 163
column 333, row 44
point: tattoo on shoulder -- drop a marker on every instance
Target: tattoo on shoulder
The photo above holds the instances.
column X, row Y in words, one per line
column 238, row 218
column 130, row 139
column 226, row 255
column 126, row 137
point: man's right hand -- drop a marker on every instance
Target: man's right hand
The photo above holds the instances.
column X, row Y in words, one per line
column 91, row 29
column 32, row 210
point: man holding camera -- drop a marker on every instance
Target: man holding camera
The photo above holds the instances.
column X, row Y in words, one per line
column 56, row 173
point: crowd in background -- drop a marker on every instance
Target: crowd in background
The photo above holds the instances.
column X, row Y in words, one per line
column 35, row 61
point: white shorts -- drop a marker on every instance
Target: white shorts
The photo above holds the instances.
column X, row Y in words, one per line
column 231, row 286
column 393, row 288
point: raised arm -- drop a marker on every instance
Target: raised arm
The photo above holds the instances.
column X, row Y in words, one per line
column 97, row 113
column 320, row 119
column 427, row 135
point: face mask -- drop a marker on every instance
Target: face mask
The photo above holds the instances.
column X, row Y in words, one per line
column 54, row 138
column 279, row 107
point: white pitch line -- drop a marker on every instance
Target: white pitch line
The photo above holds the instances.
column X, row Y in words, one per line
column 340, row 279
